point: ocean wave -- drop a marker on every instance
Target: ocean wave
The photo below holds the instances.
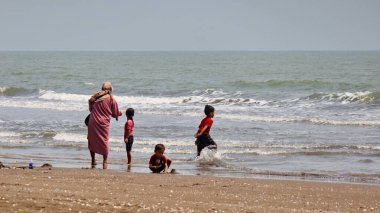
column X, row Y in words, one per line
column 150, row 150
column 366, row 161
column 250, row 145
column 147, row 107
column 345, row 122
column 210, row 92
column 293, row 119
column 9, row 134
column 166, row 142
column 348, row 97
column 51, row 95
column 211, row 97
column 11, row 139
column 44, row 134
column 214, row 98
column 36, row 104
column 162, row 100
column 295, row 83
column 223, row 100
column 274, row 83
column 16, row 91
column 71, row 137
column 280, row 152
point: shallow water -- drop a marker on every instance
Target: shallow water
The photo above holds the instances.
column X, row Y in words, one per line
column 292, row 114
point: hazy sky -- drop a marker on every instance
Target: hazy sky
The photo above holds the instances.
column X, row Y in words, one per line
column 190, row 25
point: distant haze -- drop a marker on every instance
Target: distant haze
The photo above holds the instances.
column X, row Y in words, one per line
column 190, row 25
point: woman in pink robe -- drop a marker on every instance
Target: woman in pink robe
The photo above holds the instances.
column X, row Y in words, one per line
column 102, row 106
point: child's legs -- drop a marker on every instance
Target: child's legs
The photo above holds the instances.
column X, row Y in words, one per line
column 169, row 161
column 202, row 143
column 211, row 142
column 129, row 149
column 158, row 170
column 129, row 156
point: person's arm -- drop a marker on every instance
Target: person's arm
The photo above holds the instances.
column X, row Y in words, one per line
column 201, row 132
column 127, row 135
column 154, row 168
column 166, row 168
column 115, row 112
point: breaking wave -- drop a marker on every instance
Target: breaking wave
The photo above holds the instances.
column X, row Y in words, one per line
column 16, row 91
column 348, row 97
column 306, row 84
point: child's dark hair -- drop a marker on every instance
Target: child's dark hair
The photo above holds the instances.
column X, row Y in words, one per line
column 130, row 112
column 209, row 109
column 159, row 147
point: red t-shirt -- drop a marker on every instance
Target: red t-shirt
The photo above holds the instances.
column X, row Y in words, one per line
column 157, row 160
column 206, row 122
column 128, row 126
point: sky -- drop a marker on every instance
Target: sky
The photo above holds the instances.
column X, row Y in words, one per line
column 207, row 25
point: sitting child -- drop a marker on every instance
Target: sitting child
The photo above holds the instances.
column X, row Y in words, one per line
column 158, row 161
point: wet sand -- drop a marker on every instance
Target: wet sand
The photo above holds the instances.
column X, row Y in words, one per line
column 94, row 190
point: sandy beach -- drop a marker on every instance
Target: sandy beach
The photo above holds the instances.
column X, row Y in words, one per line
column 94, row 190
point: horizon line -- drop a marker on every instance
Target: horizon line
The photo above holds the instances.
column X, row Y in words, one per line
column 94, row 50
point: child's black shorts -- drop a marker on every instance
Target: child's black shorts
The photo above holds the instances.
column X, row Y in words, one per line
column 130, row 143
column 204, row 141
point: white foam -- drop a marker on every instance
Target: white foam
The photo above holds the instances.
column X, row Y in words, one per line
column 9, row 134
column 71, row 137
column 293, row 119
column 37, row 104
column 209, row 156
column 348, row 97
column 345, row 122
column 3, row 89
column 51, row 95
column 166, row 142
column 82, row 138
column 370, row 147
column 150, row 150
column 146, row 100
column 260, row 118
column 181, row 106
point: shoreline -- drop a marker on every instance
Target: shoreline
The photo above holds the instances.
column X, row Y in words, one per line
column 366, row 179
column 88, row 190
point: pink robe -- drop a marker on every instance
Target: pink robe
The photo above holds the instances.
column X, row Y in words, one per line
column 99, row 124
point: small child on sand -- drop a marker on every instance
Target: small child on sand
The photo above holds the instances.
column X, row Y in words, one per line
column 128, row 132
column 203, row 134
column 158, row 161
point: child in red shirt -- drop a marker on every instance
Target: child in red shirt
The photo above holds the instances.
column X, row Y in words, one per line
column 158, row 161
column 128, row 133
column 203, row 134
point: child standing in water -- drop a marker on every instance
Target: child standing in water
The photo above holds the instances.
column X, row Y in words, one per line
column 128, row 133
column 203, row 134
column 158, row 161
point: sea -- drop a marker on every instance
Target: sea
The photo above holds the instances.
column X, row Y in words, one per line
column 309, row 115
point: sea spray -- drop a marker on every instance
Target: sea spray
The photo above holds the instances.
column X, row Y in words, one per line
column 209, row 155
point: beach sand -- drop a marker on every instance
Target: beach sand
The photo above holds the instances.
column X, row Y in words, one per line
column 94, row 190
